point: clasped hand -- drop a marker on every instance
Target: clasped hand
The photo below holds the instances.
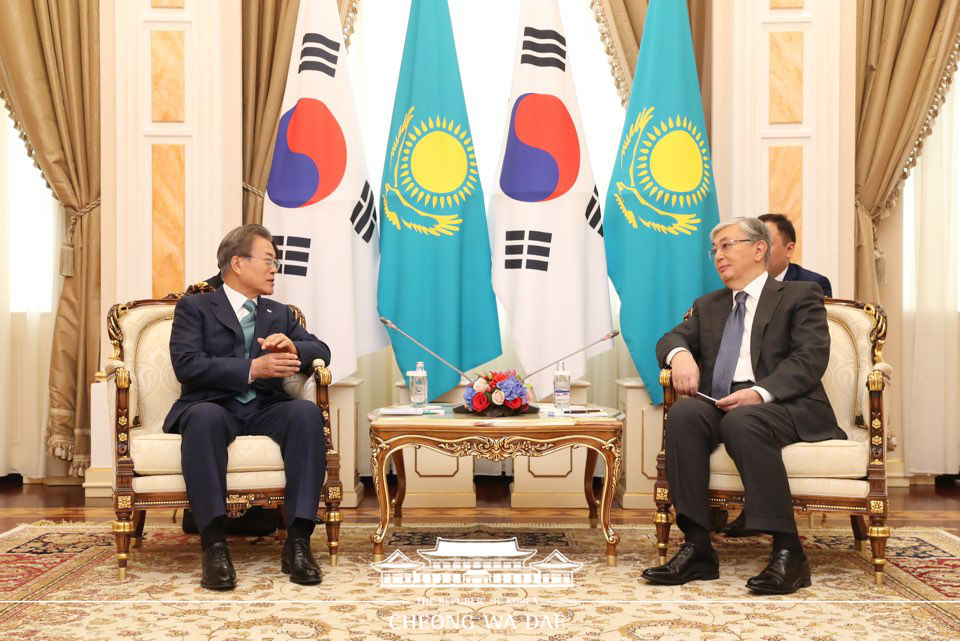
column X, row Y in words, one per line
column 280, row 360
column 686, row 380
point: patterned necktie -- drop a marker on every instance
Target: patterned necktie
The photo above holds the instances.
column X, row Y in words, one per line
column 247, row 323
column 729, row 352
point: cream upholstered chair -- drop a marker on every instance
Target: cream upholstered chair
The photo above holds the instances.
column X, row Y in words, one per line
column 147, row 461
column 830, row 476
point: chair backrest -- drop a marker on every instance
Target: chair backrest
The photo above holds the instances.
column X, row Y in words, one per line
column 856, row 341
column 140, row 332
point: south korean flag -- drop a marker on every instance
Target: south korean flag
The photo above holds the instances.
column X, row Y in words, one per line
column 549, row 265
column 319, row 206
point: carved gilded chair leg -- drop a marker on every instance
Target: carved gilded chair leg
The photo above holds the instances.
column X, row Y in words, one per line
column 122, row 529
column 878, row 534
column 281, row 523
column 662, row 520
column 859, row 532
column 332, row 521
column 139, row 519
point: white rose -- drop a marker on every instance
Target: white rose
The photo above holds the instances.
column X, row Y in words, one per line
column 497, row 397
column 480, row 385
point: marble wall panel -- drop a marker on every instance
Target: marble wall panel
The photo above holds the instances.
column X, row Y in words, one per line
column 167, row 76
column 786, row 188
column 786, row 77
column 168, row 188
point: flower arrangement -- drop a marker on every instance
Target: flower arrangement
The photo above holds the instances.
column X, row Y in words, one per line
column 496, row 394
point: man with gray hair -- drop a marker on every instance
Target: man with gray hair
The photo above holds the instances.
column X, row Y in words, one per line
column 231, row 350
column 750, row 358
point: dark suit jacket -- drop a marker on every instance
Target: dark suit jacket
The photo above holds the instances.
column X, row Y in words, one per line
column 796, row 272
column 206, row 347
column 789, row 347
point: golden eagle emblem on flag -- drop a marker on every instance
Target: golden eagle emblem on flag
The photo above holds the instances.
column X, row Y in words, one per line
column 669, row 172
column 433, row 170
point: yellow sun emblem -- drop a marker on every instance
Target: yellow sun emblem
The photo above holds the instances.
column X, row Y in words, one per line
column 669, row 170
column 433, row 168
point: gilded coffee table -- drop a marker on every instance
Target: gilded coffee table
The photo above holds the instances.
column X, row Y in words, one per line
column 497, row 439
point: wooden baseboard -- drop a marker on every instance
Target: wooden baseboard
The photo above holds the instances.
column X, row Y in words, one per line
column 98, row 482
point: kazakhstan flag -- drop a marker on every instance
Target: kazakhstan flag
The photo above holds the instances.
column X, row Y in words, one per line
column 434, row 249
column 661, row 203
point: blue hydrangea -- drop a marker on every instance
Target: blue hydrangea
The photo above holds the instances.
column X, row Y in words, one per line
column 511, row 388
column 468, row 394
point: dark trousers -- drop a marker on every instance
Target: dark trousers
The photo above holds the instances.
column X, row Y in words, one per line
column 207, row 428
column 754, row 436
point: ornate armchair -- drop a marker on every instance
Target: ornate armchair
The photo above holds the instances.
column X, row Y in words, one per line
column 831, row 476
column 147, row 461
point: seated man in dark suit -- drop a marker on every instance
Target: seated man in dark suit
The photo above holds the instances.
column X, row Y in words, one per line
column 759, row 346
column 783, row 237
column 231, row 350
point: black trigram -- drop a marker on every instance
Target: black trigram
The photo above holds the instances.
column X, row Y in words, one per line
column 319, row 53
column 292, row 254
column 364, row 216
column 544, row 48
column 527, row 249
column 592, row 213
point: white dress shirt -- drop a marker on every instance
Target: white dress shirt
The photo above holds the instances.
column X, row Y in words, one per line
column 237, row 300
column 782, row 274
column 744, row 369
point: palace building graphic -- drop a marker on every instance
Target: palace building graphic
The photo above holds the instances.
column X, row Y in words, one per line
column 472, row 562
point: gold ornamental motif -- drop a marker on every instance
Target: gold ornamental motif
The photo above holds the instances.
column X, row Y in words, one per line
column 662, row 494
column 875, row 381
column 122, row 378
column 875, row 423
column 324, row 377
column 876, row 507
column 238, row 504
column 878, row 531
column 876, row 440
column 122, row 421
column 333, row 492
column 122, row 527
column 496, row 449
column 876, row 461
column 124, row 502
column 666, row 375
column 122, row 436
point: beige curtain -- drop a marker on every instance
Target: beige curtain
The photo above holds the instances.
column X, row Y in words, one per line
column 621, row 27
column 268, row 29
column 906, row 57
column 49, row 73
column 931, row 327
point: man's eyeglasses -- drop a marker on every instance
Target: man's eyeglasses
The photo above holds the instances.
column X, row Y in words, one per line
column 725, row 247
column 270, row 261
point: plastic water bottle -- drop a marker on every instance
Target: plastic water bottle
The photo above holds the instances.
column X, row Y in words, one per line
column 561, row 388
column 418, row 385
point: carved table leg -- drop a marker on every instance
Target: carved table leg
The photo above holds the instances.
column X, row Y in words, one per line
column 611, row 457
column 592, row 502
column 379, row 455
column 397, row 502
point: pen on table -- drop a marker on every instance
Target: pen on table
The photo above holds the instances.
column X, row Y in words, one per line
column 591, row 411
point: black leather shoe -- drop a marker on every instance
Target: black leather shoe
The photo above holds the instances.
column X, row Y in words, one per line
column 218, row 573
column 297, row 561
column 737, row 528
column 685, row 566
column 785, row 574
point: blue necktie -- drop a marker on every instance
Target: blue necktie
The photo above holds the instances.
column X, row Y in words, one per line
column 247, row 323
column 729, row 352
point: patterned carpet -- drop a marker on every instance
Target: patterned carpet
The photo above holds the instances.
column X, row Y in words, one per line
column 59, row 582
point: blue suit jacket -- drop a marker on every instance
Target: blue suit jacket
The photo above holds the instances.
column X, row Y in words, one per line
column 796, row 272
column 206, row 348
